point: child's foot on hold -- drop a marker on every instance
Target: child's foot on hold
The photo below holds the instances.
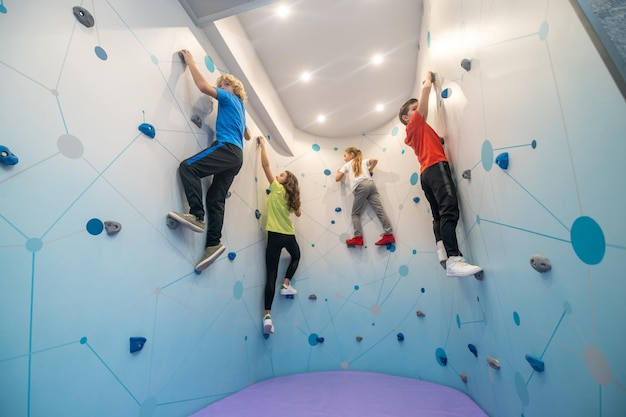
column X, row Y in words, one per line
column 457, row 267
column 268, row 326
column 442, row 254
column 355, row 241
column 288, row 290
column 189, row 220
column 386, row 239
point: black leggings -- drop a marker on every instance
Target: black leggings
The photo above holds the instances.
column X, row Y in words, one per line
column 275, row 244
column 440, row 192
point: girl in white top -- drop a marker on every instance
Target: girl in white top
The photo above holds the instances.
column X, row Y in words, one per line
column 364, row 189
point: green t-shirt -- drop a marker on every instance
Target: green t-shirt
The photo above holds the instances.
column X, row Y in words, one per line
column 277, row 211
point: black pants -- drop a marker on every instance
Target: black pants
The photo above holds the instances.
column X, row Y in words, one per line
column 223, row 161
column 440, row 192
column 275, row 244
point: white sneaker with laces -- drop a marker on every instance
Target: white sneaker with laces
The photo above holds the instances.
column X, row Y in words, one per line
column 268, row 326
column 457, row 267
column 288, row 290
column 441, row 254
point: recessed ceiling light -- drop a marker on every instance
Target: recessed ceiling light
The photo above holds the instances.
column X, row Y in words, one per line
column 377, row 59
column 321, row 118
column 282, row 11
column 306, row 76
column 379, row 107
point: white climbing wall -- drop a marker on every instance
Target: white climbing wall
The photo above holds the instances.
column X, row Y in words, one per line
column 72, row 99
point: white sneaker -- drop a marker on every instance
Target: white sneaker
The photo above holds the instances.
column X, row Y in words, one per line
column 442, row 254
column 268, row 326
column 288, row 290
column 457, row 267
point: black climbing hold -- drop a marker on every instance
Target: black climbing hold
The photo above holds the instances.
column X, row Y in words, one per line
column 359, row 338
column 147, row 129
column 467, row 174
column 473, row 349
column 432, row 77
column 502, row 160
column 112, row 227
column 136, row 344
column 443, row 142
column 466, row 64
column 312, row 297
column 536, row 363
column 83, row 16
column 338, row 209
column 420, row 313
column 320, row 340
column 7, row 157
column 540, row 263
column 196, row 120
column 257, row 214
column 400, row 337
column 268, row 191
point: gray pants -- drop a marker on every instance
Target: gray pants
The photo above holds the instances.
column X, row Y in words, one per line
column 366, row 192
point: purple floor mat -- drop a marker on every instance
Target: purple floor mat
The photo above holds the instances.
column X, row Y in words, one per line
column 344, row 394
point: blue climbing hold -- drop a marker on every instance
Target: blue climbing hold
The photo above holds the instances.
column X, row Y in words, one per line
column 416, row 199
column 446, row 93
column 257, row 214
column 320, row 340
column 338, row 209
column 473, row 349
column 147, row 129
column 232, row 256
column 136, row 344
column 400, row 337
column 502, row 160
column 536, row 363
column 7, row 157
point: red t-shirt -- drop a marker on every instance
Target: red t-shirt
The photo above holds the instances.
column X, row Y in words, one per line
column 425, row 142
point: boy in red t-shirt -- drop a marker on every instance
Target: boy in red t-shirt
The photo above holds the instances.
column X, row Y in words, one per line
column 436, row 180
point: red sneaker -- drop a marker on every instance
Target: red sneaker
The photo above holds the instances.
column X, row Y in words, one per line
column 386, row 239
column 355, row 241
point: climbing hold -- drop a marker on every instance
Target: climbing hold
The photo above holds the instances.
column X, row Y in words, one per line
column 312, row 297
column 136, row 344
column 359, row 338
column 338, row 209
column 228, row 194
column 182, row 57
column 196, row 120
column 473, row 349
column 420, row 313
column 83, row 16
column 7, row 157
column 147, row 129
column 320, row 340
column 447, row 92
column 540, row 263
column 443, row 142
column 466, row 64
column 268, row 191
column 416, row 199
column 400, row 337
column 463, row 377
column 433, row 76
column 112, row 227
column 467, row 174
column 536, row 363
column 493, row 362
column 502, row 160
column 232, row 255
column 257, row 214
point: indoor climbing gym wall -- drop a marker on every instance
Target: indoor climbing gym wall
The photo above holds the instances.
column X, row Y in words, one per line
column 102, row 313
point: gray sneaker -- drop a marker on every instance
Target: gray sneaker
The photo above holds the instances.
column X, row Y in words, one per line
column 188, row 220
column 211, row 253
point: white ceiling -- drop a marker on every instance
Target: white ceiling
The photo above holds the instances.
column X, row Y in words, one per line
column 335, row 41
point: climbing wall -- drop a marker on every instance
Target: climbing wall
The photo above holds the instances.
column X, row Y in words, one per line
column 100, row 292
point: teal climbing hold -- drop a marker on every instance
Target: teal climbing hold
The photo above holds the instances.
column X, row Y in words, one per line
column 502, row 160
column 136, row 344
column 147, row 129
column 416, row 199
column 536, row 363
column 7, row 157
column 232, row 256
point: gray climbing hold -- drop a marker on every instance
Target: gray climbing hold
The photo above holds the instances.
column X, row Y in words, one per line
column 312, row 297
column 359, row 338
column 493, row 362
column 467, row 174
column 463, row 377
column 466, row 64
column 196, row 120
column 540, row 263
column 112, row 227
column 420, row 313
column 83, row 16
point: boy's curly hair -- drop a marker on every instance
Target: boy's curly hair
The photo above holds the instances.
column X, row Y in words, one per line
column 237, row 85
